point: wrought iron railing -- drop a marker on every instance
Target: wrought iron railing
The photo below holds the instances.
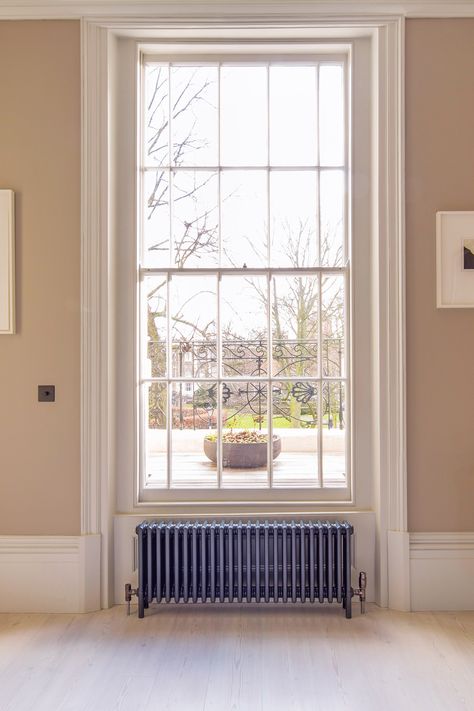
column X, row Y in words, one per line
column 295, row 400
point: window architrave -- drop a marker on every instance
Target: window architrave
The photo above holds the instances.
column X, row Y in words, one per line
column 99, row 384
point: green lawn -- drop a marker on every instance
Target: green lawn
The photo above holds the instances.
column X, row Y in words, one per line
column 246, row 422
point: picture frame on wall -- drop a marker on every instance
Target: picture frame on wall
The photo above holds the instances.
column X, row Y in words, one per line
column 455, row 260
column 7, row 262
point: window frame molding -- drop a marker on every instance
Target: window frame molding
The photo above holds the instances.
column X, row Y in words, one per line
column 98, row 386
column 125, row 9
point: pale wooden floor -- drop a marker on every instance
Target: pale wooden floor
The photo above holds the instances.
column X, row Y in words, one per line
column 237, row 658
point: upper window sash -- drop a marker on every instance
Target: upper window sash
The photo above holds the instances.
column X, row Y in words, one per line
column 177, row 158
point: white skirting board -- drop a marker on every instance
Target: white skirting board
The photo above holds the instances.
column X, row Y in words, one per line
column 62, row 573
column 50, row 573
column 442, row 571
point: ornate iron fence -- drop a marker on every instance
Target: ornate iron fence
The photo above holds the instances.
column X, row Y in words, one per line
column 295, row 400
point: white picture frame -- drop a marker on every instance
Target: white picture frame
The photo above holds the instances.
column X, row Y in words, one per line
column 454, row 275
column 7, row 262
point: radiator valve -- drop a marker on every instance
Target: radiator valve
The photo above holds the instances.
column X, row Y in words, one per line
column 129, row 593
column 360, row 591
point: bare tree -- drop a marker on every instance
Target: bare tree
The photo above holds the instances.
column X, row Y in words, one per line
column 194, row 236
column 295, row 325
column 295, row 310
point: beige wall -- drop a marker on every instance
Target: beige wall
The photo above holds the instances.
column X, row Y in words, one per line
column 440, row 343
column 40, row 161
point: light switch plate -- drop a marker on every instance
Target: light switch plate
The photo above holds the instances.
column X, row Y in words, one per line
column 46, row 393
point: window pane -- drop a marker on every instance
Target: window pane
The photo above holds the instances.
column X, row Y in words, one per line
column 231, row 179
column 195, row 219
column 244, row 325
column 194, row 115
column 243, row 116
column 155, row 326
column 244, row 218
column 332, row 217
column 196, row 358
column 244, row 435
column 154, row 402
column 295, row 326
column 293, row 133
column 293, row 201
column 194, row 412
column 334, row 434
column 156, row 219
column 331, row 114
column 295, row 423
column 332, row 316
column 156, row 114
column 193, row 326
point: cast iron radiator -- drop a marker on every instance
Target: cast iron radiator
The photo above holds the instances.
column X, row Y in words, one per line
column 308, row 561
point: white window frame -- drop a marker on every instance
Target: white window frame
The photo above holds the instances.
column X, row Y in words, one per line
column 131, row 495
column 101, row 395
column 253, row 496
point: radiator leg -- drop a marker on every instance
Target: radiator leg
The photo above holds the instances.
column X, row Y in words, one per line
column 348, row 605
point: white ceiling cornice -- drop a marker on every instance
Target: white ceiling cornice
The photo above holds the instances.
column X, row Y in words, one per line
column 222, row 9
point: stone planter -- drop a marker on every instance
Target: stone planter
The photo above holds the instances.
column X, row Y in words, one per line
column 242, row 455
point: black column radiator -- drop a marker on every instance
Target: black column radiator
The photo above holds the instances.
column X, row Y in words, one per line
column 307, row 561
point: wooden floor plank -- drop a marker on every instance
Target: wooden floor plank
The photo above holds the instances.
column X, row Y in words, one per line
column 238, row 658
